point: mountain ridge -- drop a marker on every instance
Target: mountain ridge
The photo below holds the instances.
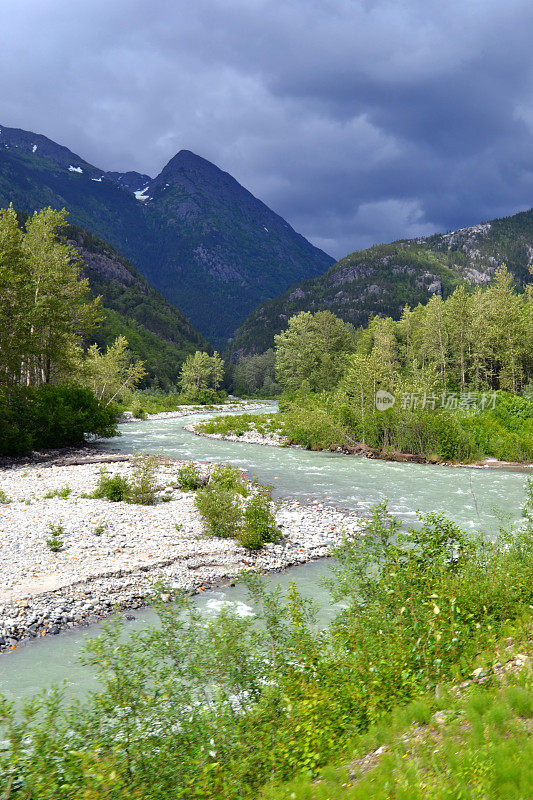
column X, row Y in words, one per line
column 200, row 238
column 384, row 278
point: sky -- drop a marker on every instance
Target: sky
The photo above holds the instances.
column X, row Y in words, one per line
column 359, row 121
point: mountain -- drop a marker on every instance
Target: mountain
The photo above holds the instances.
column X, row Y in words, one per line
column 156, row 331
column 207, row 244
column 384, row 278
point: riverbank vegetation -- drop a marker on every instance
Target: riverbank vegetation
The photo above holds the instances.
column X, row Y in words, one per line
column 233, row 707
column 231, row 507
column 448, row 381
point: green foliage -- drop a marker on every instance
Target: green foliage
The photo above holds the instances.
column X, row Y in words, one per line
column 143, row 484
column 310, row 353
column 482, row 748
column 237, row 424
column 255, row 376
column 138, row 411
column 231, row 509
column 55, row 543
column 158, row 333
column 65, row 491
column 201, row 374
column 220, row 502
column 155, row 401
column 308, row 423
column 3, row 497
column 51, row 416
column 259, row 521
column 112, row 374
column 45, row 305
column 111, row 487
column 141, row 487
column 221, row 510
column 232, row 707
column 424, row 600
column 228, row 477
column 189, row 477
column 99, row 529
column 448, row 366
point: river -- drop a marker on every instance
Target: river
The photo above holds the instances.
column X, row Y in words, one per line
column 474, row 498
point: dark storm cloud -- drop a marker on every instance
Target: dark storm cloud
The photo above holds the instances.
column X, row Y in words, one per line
column 359, row 121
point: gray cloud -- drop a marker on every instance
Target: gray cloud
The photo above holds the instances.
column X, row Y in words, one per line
column 358, row 120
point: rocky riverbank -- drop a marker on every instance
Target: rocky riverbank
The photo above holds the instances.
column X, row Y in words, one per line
column 271, row 439
column 113, row 553
column 187, row 411
column 274, row 439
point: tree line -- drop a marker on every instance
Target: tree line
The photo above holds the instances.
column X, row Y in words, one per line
column 437, row 364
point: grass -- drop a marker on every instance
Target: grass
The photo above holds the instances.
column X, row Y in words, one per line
column 65, row 492
column 238, row 424
column 146, row 402
column 55, row 542
column 473, row 746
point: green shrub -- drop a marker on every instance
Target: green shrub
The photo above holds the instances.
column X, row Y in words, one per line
column 3, row 497
column 141, row 488
column 259, row 521
column 221, row 510
column 315, row 427
column 143, row 485
column 227, row 477
column 51, row 416
column 138, row 411
column 227, row 513
column 189, row 477
column 55, row 542
column 111, row 487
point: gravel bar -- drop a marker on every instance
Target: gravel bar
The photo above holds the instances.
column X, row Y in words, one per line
column 113, row 553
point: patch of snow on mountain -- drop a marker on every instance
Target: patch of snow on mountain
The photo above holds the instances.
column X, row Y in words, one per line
column 140, row 194
column 97, row 180
column 74, row 169
column 34, row 148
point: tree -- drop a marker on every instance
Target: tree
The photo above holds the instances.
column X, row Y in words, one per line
column 506, row 330
column 256, row 374
column 14, row 298
column 310, row 353
column 200, row 372
column 46, row 306
column 111, row 374
column 435, row 342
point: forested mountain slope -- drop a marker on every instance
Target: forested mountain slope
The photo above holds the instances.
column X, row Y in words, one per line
column 384, row 278
column 157, row 332
column 208, row 245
